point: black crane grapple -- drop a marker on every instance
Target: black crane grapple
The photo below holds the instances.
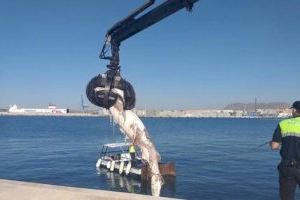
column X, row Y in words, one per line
column 99, row 89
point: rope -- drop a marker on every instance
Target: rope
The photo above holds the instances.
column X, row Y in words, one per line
column 265, row 143
column 112, row 124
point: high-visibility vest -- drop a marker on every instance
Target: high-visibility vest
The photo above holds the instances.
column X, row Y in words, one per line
column 131, row 149
column 290, row 127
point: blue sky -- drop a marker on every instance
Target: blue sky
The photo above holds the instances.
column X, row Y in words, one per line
column 222, row 52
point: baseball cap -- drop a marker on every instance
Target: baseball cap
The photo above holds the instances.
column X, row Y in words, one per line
column 296, row 105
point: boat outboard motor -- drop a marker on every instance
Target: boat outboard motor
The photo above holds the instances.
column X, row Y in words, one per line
column 99, row 90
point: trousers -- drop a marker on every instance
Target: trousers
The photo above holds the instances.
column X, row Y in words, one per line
column 289, row 178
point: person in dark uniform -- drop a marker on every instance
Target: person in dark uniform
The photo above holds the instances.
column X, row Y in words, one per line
column 132, row 151
column 132, row 154
column 287, row 135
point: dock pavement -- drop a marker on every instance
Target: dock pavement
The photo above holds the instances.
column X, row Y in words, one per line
column 19, row 190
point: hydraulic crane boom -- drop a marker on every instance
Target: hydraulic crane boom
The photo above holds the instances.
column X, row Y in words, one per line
column 130, row 26
column 99, row 89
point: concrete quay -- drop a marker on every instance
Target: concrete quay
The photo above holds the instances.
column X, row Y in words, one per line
column 18, row 190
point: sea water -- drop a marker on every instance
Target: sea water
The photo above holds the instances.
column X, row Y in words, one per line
column 214, row 158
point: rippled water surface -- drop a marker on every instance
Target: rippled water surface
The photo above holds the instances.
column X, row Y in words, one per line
column 215, row 158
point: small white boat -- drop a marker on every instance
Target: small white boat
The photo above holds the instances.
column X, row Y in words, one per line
column 116, row 158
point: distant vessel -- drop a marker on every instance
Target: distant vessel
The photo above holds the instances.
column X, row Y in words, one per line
column 50, row 109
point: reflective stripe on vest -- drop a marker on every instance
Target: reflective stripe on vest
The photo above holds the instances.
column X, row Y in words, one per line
column 131, row 149
column 290, row 127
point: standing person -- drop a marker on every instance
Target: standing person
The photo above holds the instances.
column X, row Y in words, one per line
column 287, row 134
column 132, row 152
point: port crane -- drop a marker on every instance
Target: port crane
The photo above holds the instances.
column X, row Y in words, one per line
column 99, row 88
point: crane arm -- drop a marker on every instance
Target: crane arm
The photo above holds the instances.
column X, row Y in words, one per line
column 131, row 25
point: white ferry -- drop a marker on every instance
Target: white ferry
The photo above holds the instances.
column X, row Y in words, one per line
column 50, row 109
